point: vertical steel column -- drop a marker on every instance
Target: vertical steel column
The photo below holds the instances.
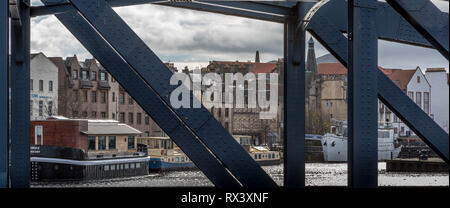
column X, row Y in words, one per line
column 294, row 101
column 20, row 98
column 4, row 93
column 362, row 94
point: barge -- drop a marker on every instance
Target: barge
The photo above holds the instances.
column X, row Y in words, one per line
column 82, row 149
column 53, row 163
column 164, row 154
column 261, row 154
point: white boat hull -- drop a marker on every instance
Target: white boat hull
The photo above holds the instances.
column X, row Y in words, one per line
column 335, row 148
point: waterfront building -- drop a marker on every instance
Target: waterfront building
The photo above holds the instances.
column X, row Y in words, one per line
column 413, row 83
column 246, row 121
column 88, row 91
column 326, row 91
column 43, row 87
column 438, row 79
column 97, row 138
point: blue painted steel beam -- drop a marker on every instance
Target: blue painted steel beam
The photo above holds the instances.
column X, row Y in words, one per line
column 362, row 94
column 254, row 6
column 20, row 99
column 216, row 8
column 147, row 99
column 259, row 11
column 151, row 69
column 427, row 19
column 4, row 94
column 411, row 114
column 391, row 25
column 294, row 101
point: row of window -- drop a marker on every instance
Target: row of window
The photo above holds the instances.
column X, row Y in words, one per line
column 85, row 76
column 176, row 159
column 84, row 114
column 246, row 123
column 107, row 142
column 124, row 166
column 422, row 103
column 41, row 85
column 131, row 118
column 47, row 108
column 265, row 156
column 122, row 98
column 84, row 96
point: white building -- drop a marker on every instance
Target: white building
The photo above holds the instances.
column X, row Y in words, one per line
column 43, row 87
column 439, row 96
column 415, row 84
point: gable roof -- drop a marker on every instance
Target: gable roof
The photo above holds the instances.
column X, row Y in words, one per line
column 402, row 77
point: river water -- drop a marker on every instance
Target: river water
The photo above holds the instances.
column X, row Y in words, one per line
column 316, row 174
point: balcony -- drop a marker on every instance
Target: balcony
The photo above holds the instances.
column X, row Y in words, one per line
column 85, row 83
column 103, row 84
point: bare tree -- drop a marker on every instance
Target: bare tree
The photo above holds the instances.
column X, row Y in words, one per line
column 316, row 123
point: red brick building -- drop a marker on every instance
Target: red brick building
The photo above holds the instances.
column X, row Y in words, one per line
column 63, row 133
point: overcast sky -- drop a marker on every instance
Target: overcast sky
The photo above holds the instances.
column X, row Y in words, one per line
column 194, row 38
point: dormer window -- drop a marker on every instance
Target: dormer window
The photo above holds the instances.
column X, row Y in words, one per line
column 418, row 79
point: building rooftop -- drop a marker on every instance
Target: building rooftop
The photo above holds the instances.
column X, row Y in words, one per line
column 110, row 127
column 103, row 127
column 402, row 77
column 435, row 70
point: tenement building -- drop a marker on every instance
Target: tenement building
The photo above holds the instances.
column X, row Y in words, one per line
column 88, row 91
column 247, row 121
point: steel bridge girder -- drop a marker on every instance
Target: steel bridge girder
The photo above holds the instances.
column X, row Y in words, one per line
column 103, row 18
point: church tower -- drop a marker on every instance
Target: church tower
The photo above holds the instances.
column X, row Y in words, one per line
column 311, row 64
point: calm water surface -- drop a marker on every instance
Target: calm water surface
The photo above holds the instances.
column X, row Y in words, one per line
column 317, row 174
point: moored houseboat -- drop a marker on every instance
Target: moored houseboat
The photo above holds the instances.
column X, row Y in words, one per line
column 77, row 149
column 261, row 154
column 164, row 154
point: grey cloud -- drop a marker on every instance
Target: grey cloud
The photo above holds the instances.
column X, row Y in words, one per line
column 187, row 36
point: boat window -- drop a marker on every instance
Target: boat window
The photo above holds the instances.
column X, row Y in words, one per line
column 156, row 142
column 259, row 156
column 256, row 156
column 273, row 155
column 101, row 142
column 126, row 166
column 177, row 159
column 113, row 167
column 112, row 142
column 106, row 167
column 131, row 144
column 91, row 142
column 138, row 165
column 132, row 165
column 270, row 156
column 182, row 159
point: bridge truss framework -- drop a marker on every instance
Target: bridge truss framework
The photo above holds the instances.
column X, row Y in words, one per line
column 349, row 31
